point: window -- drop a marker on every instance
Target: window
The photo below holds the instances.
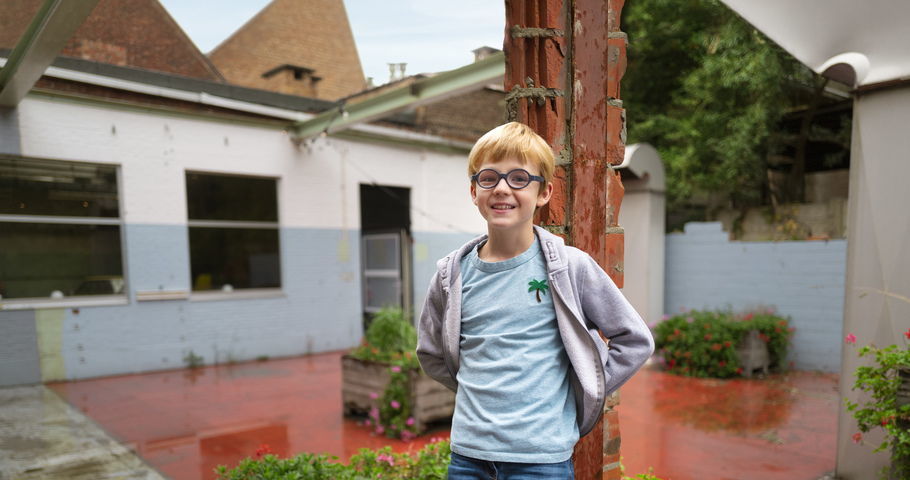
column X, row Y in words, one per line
column 59, row 229
column 233, row 224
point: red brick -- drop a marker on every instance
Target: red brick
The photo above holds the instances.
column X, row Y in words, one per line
column 616, row 65
column 614, row 192
column 613, row 257
column 554, row 213
column 589, row 454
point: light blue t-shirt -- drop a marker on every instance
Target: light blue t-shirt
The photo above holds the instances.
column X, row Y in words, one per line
column 514, row 402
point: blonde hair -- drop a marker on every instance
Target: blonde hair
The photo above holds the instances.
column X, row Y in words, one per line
column 513, row 140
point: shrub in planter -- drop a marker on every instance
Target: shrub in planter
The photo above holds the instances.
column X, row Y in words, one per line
column 430, row 463
column 703, row 343
column 887, row 406
column 383, row 378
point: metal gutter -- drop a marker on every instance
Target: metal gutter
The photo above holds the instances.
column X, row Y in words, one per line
column 50, row 29
column 422, row 91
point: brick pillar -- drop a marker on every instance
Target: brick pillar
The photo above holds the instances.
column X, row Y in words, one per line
column 564, row 63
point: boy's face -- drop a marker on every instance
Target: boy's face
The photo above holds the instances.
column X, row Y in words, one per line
column 505, row 208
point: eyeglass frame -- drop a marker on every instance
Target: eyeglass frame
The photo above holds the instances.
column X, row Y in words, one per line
column 505, row 176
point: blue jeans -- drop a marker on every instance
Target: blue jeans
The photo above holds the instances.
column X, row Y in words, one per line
column 466, row 468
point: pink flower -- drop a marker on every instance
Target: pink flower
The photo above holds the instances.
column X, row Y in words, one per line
column 367, row 423
column 850, row 338
column 907, row 334
column 374, row 413
column 395, row 404
column 379, row 430
column 386, row 458
column 410, row 421
column 689, row 319
column 396, row 369
column 374, row 395
column 857, row 437
column 407, row 436
column 665, row 317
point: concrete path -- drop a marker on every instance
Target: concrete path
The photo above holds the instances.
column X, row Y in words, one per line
column 42, row 437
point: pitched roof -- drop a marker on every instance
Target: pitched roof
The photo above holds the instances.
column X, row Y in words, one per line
column 135, row 33
column 310, row 34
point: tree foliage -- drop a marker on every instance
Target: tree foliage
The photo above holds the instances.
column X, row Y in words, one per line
column 706, row 89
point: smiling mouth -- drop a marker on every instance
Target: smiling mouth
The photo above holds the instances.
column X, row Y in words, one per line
column 503, row 207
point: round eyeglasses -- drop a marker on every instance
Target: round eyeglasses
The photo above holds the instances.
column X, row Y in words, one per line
column 516, row 179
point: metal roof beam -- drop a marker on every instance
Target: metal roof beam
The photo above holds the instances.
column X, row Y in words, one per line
column 426, row 90
column 51, row 28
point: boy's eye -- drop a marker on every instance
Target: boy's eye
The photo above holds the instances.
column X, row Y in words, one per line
column 518, row 177
column 487, row 178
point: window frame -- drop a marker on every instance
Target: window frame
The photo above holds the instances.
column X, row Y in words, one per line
column 35, row 303
column 239, row 293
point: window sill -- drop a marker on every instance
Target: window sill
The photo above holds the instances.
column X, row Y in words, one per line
column 66, row 302
column 251, row 293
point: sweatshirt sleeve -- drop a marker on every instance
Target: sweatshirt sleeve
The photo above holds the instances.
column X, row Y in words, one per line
column 430, row 335
column 630, row 339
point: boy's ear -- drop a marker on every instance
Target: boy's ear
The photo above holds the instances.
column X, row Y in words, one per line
column 474, row 193
column 544, row 196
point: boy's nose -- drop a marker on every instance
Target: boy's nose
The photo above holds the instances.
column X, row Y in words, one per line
column 502, row 187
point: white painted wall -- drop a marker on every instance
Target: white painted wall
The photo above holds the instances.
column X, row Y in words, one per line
column 318, row 181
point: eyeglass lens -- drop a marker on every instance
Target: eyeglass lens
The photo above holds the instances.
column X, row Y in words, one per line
column 489, row 178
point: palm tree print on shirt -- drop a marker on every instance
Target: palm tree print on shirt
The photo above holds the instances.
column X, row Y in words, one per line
column 540, row 286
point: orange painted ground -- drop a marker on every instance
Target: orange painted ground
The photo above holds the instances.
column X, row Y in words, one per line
column 184, row 422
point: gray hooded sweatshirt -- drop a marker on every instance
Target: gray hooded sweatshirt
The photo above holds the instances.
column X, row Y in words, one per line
column 586, row 301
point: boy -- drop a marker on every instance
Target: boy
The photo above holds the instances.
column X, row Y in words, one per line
column 510, row 324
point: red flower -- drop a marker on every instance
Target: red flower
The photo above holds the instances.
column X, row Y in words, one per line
column 850, row 338
column 764, row 337
column 907, row 334
column 671, row 363
column 708, row 336
column 739, row 371
column 748, row 317
column 263, row 450
column 716, row 347
column 857, row 437
column 721, row 364
column 727, row 344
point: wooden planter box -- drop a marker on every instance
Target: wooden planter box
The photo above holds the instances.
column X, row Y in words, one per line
column 430, row 400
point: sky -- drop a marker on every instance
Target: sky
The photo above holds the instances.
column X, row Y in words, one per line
column 428, row 35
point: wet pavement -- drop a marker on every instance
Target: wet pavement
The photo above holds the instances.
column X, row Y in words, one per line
column 185, row 422
column 780, row 427
column 42, row 437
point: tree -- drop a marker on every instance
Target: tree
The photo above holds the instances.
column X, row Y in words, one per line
column 707, row 90
column 538, row 286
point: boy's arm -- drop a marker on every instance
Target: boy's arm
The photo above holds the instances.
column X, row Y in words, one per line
column 631, row 342
column 430, row 341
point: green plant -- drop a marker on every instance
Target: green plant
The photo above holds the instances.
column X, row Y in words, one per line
column 192, row 360
column 392, row 340
column 703, row 343
column 881, row 382
column 429, row 463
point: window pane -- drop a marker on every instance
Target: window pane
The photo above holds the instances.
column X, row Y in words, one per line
column 383, row 292
column 239, row 257
column 223, row 197
column 38, row 259
column 47, row 187
column 381, row 252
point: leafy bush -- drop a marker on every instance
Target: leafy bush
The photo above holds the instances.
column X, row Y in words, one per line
column 703, row 343
column 390, row 339
column 430, row 463
column 880, row 409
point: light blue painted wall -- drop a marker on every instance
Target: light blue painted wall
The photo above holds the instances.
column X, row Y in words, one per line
column 320, row 311
column 10, row 141
column 803, row 280
column 19, row 361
